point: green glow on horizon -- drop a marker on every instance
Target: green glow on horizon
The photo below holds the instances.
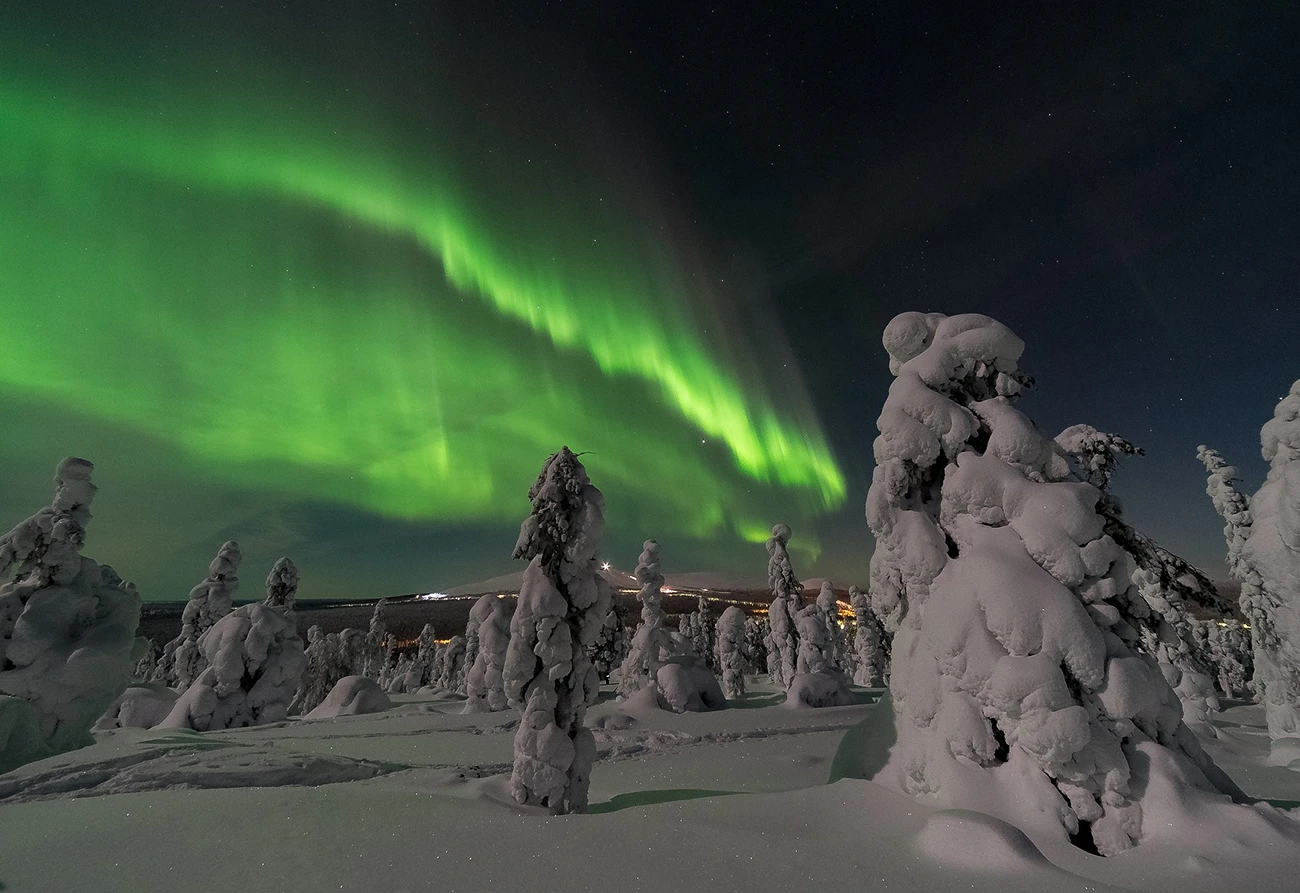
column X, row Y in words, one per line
column 245, row 286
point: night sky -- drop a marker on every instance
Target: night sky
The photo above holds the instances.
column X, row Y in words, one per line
column 334, row 280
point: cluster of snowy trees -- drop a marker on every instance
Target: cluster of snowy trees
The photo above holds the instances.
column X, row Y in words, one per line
column 1043, row 656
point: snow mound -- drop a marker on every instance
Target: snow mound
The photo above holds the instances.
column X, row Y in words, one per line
column 818, row 690
column 351, row 696
column 687, row 686
column 139, row 707
column 961, row 837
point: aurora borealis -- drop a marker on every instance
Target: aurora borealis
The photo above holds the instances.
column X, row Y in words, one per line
column 333, row 279
column 299, row 301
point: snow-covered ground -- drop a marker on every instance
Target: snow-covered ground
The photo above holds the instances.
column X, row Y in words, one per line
column 757, row 797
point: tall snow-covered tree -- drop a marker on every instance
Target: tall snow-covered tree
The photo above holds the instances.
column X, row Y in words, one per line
column 562, row 603
column 67, row 627
column 652, row 643
column 209, row 601
column 373, row 660
column 867, row 645
column 828, row 605
column 1017, row 654
column 787, row 592
column 731, row 647
column 1263, row 534
column 756, row 636
column 484, row 684
column 702, row 634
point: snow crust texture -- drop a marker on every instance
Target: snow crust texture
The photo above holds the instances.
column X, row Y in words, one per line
column 67, row 627
column 1018, row 680
column 562, row 606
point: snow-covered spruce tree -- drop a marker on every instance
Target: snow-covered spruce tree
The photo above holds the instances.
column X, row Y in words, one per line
column 1163, row 583
column 1263, row 534
column 611, row 646
column 869, row 671
column 703, row 634
column 484, row 685
column 652, row 643
column 755, row 648
column 282, row 586
column 209, row 601
column 319, row 675
column 731, row 657
column 351, row 653
column 787, row 594
column 67, row 627
column 562, row 604
column 426, row 656
column 373, row 660
column 1017, row 679
column 828, row 606
column 1230, row 654
column 255, row 666
column 451, row 667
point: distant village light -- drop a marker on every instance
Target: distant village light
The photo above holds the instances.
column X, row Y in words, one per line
column 605, row 566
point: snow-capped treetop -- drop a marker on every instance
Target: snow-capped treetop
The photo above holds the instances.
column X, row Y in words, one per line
column 567, row 520
column 827, row 601
column 282, row 585
column 1280, row 436
column 1231, row 504
column 1095, row 454
column 51, row 539
column 647, row 571
column 216, row 591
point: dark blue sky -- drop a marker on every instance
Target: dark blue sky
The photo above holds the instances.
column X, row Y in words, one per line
column 1116, row 182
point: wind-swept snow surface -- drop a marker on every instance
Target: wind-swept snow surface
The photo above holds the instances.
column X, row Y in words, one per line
column 67, row 626
column 1018, row 684
column 562, row 606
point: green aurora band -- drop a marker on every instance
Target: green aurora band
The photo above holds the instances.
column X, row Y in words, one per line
column 319, row 310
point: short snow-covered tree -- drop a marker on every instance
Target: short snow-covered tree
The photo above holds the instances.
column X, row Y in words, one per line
column 867, row 645
column 451, row 669
column 484, row 684
column 67, row 627
column 255, row 666
column 1016, row 643
column 1263, row 533
column 562, row 604
column 209, row 601
column 787, row 592
column 731, row 652
column 611, row 646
